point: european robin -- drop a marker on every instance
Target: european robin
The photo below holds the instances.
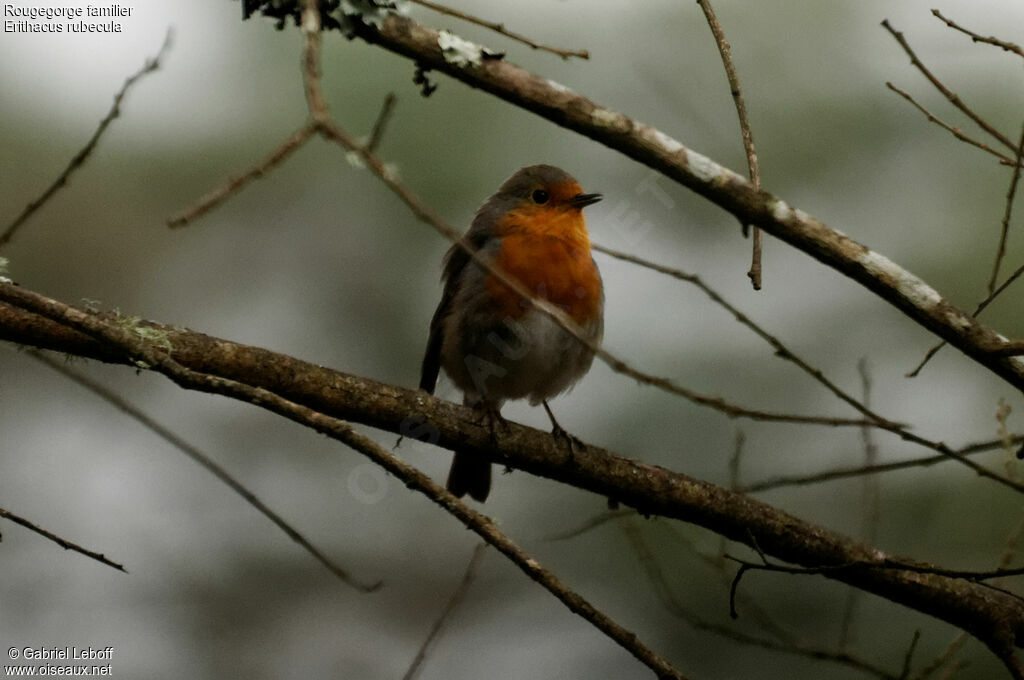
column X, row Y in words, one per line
column 493, row 344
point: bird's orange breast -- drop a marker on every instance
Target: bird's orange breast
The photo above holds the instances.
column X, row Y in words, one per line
column 560, row 270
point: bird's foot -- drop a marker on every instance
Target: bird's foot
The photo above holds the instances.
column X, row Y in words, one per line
column 494, row 420
column 573, row 442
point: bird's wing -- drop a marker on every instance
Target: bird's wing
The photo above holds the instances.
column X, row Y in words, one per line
column 455, row 261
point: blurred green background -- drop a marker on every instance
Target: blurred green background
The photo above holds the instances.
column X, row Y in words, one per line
column 318, row 260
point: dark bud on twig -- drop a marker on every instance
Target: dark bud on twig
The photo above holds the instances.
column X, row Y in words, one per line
column 420, row 78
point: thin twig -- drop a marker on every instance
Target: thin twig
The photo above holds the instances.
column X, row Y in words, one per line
column 955, row 131
column 311, row 64
column 870, row 510
column 952, row 97
column 843, row 473
column 755, row 259
column 152, row 64
column 952, row 669
column 972, row 575
column 386, row 109
column 453, row 602
column 1003, row 411
column 500, row 28
column 781, row 350
column 66, row 544
column 932, row 351
column 236, row 184
column 977, row 577
column 909, row 656
column 1008, row 46
column 1005, row 284
column 734, row 485
column 1007, row 212
column 734, row 460
column 205, row 461
column 748, row 137
column 1010, row 545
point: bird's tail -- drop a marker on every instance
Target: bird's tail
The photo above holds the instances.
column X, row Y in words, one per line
column 470, row 472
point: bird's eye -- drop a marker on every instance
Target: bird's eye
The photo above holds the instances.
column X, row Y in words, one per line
column 540, row 196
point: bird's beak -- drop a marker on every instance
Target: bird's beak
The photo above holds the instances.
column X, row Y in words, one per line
column 583, row 200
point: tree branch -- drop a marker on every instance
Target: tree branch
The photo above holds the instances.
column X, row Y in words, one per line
column 149, row 346
column 995, row 618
